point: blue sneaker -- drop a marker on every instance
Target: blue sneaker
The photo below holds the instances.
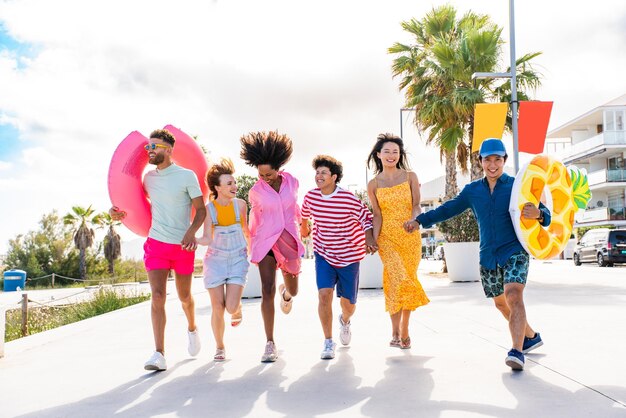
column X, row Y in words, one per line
column 515, row 360
column 531, row 343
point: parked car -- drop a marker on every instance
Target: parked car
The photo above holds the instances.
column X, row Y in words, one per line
column 568, row 251
column 603, row 246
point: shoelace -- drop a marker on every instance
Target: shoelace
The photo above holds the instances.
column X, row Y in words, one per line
column 269, row 349
column 328, row 345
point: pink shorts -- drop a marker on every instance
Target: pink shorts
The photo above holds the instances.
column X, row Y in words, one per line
column 285, row 252
column 163, row 256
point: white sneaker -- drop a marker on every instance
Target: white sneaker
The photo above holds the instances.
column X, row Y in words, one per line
column 328, row 353
column 345, row 335
column 156, row 362
column 271, row 354
column 195, row 344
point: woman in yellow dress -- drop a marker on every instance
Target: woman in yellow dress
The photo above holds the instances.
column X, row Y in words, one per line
column 395, row 196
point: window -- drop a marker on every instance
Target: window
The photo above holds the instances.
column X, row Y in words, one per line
column 616, row 201
column 609, row 123
column 616, row 163
column 614, row 120
column 618, row 237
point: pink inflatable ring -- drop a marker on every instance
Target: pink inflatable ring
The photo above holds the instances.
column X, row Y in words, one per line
column 125, row 179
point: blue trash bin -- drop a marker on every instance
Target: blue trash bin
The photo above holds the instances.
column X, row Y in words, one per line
column 14, row 279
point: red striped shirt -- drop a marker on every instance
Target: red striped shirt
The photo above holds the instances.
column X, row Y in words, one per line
column 340, row 222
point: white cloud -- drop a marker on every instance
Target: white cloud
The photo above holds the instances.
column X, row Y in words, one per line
column 317, row 71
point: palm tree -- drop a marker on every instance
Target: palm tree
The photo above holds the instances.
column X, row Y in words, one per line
column 79, row 219
column 436, row 76
column 112, row 241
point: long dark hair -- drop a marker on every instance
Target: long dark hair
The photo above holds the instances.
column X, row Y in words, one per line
column 271, row 148
column 374, row 162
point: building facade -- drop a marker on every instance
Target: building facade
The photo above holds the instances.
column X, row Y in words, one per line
column 596, row 141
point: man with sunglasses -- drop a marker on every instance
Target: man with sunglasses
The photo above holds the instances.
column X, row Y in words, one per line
column 171, row 241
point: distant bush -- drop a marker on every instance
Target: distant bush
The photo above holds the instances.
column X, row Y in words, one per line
column 43, row 318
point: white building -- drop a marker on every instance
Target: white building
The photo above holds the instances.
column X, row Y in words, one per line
column 596, row 141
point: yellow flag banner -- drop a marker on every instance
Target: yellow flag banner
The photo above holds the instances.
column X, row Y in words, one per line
column 489, row 120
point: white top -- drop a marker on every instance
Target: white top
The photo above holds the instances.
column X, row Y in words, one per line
column 170, row 191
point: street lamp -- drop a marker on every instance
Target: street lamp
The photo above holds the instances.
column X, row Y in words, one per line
column 512, row 76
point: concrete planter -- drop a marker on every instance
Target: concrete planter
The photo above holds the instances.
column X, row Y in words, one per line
column 371, row 272
column 462, row 259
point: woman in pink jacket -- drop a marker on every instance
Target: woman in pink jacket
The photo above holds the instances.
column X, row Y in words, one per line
column 274, row 225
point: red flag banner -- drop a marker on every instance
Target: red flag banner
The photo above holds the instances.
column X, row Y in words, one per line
column 533, row 126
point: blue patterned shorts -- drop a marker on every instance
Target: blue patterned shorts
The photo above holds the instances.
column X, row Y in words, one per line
column 515, row 270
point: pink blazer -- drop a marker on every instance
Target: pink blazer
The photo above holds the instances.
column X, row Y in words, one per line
column 271, row 213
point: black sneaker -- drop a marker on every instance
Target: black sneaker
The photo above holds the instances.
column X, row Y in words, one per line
column 531, row 343
column 515, row 360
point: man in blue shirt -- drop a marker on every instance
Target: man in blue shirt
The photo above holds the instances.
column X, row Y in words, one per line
column 503, row 260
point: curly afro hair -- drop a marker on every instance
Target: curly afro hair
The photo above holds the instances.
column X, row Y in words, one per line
column 329, row 162
column 258, row 148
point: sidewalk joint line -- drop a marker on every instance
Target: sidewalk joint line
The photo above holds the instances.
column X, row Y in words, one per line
column 554, row 371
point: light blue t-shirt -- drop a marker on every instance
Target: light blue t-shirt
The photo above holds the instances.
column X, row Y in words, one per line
column 170, row 191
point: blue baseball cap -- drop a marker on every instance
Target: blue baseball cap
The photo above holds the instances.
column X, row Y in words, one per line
column 492, row 146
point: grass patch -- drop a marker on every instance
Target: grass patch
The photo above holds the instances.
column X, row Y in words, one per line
column 43, row 318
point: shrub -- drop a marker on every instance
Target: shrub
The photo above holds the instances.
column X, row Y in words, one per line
column 43, row 318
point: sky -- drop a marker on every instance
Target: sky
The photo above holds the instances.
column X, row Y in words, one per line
column 77, row 77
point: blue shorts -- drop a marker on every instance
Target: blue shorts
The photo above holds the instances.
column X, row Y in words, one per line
column 345, row 278
column 515, row 270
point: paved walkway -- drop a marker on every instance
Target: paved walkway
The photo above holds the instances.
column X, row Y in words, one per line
column 455, row 368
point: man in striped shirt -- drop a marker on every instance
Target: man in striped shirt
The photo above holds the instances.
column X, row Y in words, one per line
column 342, row 236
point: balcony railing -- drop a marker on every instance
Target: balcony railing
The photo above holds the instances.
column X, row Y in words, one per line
column 616, row 175
column 604, row 175
column 596, row 177
column 592, row 215
column 605, row 138
column 600, row 214
column 615, row 137
column 617, row 214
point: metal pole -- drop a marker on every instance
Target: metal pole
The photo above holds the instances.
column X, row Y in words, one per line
column 3, row 318
column 513, row 87
column 24, row 315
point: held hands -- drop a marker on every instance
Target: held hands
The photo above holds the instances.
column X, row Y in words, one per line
column 305, row 230
column 371, row 246
column 411, row 225
column 189, row 242
column 371, row 249
column 530, row 211
column 116, row 213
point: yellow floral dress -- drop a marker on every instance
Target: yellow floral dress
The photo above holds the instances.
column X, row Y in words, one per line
column 400, row 251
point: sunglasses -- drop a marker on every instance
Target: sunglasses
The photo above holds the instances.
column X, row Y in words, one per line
column 152, row 146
